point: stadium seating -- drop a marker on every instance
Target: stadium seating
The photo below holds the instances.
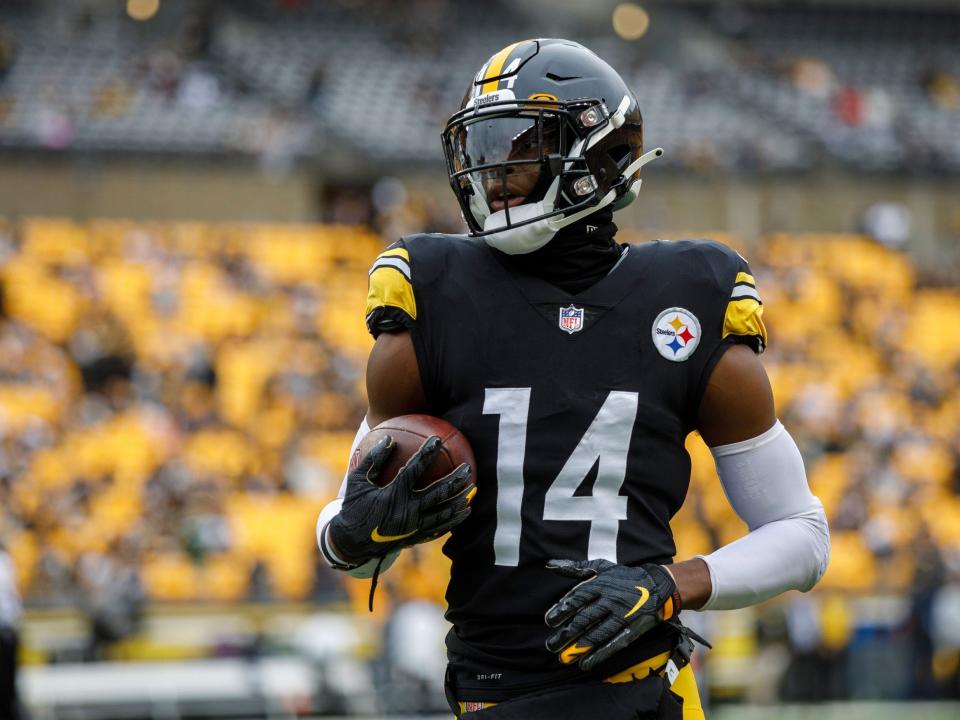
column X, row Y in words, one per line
column 191, row 388
column 781, row 89
column 192, row 391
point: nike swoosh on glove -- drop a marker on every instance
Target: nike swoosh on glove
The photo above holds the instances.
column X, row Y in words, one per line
column 375, row 520
column 613, row 606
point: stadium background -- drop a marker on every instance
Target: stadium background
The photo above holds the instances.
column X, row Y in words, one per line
column 191, row 195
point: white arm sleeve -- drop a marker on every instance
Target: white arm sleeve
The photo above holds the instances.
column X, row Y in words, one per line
column 788, row 545
column 333, row 507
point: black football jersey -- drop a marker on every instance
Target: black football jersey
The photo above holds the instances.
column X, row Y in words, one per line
column 577, row 408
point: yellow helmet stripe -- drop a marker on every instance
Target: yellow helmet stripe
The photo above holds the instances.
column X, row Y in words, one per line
column 496, row 67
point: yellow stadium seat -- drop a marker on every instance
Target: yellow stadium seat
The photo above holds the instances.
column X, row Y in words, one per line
column 40, row 300
column 242, row 369
column 941, row 513
column 223, row 578
column 852, row 565
column 932, row 333
column 280, row 530
column 21, row 403
column 219, row 451
column 836, row 621
column 170, row 577
column 828, row 480
column 53, row 241
column 691, row 539
column 24, row 552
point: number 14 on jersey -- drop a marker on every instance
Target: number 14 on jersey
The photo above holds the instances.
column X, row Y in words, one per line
column 606, row 443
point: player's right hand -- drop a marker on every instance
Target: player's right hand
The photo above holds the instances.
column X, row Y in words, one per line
column 375, row 520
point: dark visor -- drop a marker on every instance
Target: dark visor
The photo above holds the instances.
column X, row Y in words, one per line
column 492, row 140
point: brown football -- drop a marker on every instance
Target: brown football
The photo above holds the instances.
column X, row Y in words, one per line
column 409, row 432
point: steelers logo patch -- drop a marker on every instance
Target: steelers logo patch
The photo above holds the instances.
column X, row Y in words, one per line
column 676, row 333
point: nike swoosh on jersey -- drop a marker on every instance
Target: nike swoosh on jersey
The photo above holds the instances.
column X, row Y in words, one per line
column 377, row 537
column 644, row 596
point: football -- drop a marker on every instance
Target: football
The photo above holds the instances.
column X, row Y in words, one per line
column 409, row 432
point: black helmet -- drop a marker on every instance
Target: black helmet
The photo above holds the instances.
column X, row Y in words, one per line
column 547, row 133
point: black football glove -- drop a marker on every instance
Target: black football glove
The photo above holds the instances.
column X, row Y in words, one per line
column 612, row 607
column 374, row 520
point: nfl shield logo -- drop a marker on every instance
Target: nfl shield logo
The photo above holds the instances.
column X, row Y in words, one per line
column 571, row 319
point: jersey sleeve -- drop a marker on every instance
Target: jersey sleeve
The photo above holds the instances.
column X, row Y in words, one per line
column 391, row 305
column 743, row 319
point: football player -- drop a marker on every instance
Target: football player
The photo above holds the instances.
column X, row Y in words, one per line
column 577, row 367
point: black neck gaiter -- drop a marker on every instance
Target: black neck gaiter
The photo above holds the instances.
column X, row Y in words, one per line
column 576, row 257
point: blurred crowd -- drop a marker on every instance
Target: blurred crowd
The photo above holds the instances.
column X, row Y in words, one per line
column 175, row 404
column 177, row 401
column 753, row 87
column 865, row 365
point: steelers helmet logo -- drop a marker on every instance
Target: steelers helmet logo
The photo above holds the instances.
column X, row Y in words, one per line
column 676, row 333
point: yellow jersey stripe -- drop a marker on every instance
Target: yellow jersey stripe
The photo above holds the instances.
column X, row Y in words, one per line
column 395, row 262
column 396, row 252
column 495, row 67
column 744, row 317
column 389, row 287
column 745, row 277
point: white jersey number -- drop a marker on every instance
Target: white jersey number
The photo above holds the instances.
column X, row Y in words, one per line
column 605, row 444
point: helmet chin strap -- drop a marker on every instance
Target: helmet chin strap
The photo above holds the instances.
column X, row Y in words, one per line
column 533, row 236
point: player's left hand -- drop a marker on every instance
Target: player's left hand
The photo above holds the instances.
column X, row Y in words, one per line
column 612, row 606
